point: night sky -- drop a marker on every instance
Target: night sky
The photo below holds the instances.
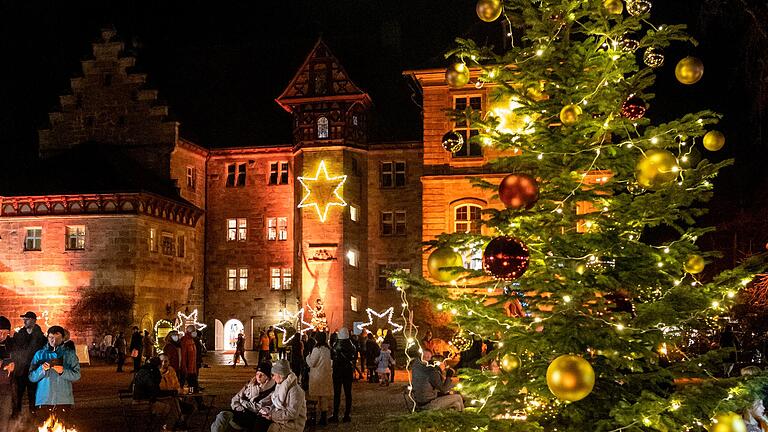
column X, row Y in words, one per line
column 219, row 65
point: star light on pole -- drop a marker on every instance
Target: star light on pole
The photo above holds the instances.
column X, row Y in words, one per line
column 182, row 321
column 387, row 313
column 298, row 318
column 322, row 192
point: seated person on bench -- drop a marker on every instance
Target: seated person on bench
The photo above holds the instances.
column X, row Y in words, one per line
column 431, row 388
column 246, row 404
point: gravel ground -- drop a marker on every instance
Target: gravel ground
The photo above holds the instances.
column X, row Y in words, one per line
column 98, row 408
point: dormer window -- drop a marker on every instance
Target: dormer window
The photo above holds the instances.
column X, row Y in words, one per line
column 322, row 128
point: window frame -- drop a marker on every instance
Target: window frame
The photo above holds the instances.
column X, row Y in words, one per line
column 191, row 178
column 237, row 229
column 181, row 245
column 353, row 257
column 236, row 174
column 172, row 242
column 382, row 284
column 466, row 130
column 272, row 229
column 393, row 174
column 282, row 228
column 79, row 238
column 280, row 278
column 468, row 221
column 231, row 279
column 152, row 240
column 323, row 125
column 354, row 213
column 35, row 239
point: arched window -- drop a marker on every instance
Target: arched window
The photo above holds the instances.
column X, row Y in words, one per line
column 322, row 128
column 466, row 218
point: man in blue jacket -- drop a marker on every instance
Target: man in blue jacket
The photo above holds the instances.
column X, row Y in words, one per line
column 54, row 368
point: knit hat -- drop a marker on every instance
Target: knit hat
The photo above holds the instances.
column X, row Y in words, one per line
column 5, row 324
column 281, row 367
column 343, row 333
column 265, row 368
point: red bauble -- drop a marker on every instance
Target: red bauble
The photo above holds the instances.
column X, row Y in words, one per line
column 633, row 108
column 519, row 191
column 506, row 258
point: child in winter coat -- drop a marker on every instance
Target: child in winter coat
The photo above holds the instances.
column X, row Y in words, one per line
column 383, row 361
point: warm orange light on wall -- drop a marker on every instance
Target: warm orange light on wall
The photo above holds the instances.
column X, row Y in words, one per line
column 322, row 192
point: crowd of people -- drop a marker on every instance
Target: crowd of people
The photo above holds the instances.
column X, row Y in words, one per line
column 36, row 366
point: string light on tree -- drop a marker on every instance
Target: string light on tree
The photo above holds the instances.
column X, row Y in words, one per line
column 452, row 141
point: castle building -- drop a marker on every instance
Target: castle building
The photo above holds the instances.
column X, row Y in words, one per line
column 248, row 236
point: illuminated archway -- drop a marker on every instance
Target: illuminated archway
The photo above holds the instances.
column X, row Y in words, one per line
column 232, row 328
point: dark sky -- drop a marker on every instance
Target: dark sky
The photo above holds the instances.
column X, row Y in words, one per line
column 220, row 64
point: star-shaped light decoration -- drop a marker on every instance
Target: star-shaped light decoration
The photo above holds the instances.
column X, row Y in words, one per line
column 298, row 319
column 322, row 192
column 182, row 321
column 387, row 313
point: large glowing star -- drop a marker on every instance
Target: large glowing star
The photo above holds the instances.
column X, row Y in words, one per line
column 301, row 325
column 387, row 313
column 182, row 321
column 322, row 192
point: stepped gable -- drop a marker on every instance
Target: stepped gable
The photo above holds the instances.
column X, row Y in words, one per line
column 321, row 77
column 109, row 105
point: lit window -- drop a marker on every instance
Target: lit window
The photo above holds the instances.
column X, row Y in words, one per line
column 282, row 228
column 354, row 213
column 153, row 240
column 275, row 278
column 166, row 243
column 322, row 128
column 467, row 219
column 235, row 175
column 237, row 229
column 191, row 178
column 33, row 240
column 353, row 303
column 280, row 278
column 271, row 228
column 287, row 283
column 75, row 237
column 181, row 246
column 469, row 149
column 243, row 279
column 353, row 258
column 278, row 173
column 231, row 279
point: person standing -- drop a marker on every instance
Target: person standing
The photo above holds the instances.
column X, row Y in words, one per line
column 135, row 348
column 26, row 343
column 6, row 374
column 239, row 351
column 263, row 348
column 120, row 350
column 189, row 356
column 55, row 367
column 390, row 340
column 172, row 349
column 297, row 354
column 344, row 353
column 148, row 345
column 320, row 382
column 371, row 352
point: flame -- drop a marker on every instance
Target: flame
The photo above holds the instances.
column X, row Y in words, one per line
column 52, row 424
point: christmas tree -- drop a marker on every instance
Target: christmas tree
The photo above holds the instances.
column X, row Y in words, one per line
column 592, row 292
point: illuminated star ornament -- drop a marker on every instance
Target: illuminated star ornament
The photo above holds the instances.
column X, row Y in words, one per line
column 387, row 313
column 298, row 319
column 322, row 192
column 182, row 321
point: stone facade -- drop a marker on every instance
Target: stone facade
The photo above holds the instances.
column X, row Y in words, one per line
column 252, row 257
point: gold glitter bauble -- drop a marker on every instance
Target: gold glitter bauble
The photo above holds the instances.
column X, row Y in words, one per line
column 570, row 114
column 714, row 140
column 615, row 7
column 570, row 378
column 694, row 264
column 656, row 169
column 510, row 362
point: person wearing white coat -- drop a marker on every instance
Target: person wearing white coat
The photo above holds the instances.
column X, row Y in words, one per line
column 320, row 378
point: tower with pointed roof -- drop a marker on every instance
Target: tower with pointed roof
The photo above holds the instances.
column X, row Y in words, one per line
column 329, row 138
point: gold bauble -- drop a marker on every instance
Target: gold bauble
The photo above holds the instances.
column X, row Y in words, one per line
column 441, row 258
column 457, row 75
column 714, row 140
column 510, row 362
column 615, row 7
column 570, row 378
column 569, row 115
column 656, row 169
column 689, row 70
column 694, row 264
column 728, row 422
column 489, row 10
